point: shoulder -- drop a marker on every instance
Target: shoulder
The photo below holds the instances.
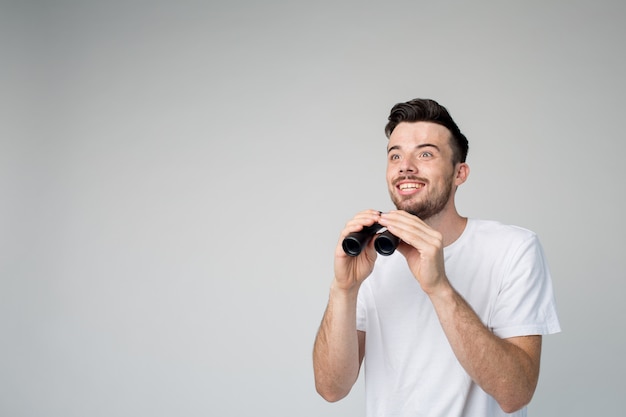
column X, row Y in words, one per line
column 496, row 229
column 499, row 237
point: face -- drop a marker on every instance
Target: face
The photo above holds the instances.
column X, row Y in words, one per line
column 420, row 174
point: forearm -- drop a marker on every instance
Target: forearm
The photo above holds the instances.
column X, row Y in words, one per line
column 336, row 360
column 503, row 369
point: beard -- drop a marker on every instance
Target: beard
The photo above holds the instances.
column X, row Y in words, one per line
column 428, row 208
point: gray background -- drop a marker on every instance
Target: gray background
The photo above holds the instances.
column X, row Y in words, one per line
column 174, row 176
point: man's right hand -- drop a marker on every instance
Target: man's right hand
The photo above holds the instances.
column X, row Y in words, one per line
column 351, row 271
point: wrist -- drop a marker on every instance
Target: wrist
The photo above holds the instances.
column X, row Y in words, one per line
column 343, row 290
column 442, row 290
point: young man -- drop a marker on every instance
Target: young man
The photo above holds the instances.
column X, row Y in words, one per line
column 451, row 323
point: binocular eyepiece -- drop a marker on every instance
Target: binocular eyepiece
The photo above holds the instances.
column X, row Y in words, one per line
column 384, row 242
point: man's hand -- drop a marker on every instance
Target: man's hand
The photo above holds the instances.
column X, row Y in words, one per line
column 351, row 271
column 421, row 245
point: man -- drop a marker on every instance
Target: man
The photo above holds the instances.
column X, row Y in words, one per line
column 451, row 323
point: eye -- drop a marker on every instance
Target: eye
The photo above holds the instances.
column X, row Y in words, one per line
column 426, row 154
column 394, row 157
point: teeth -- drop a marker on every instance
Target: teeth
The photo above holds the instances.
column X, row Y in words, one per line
column 410, row 186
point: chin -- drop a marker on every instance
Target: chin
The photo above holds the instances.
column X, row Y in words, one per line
column 414, row 209
column 419, row 209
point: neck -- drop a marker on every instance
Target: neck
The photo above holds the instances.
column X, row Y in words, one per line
column 450, row 224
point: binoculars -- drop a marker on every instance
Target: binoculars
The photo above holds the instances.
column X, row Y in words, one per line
column 384, row 242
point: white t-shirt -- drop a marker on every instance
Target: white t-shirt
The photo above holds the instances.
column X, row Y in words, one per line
column 410, row 369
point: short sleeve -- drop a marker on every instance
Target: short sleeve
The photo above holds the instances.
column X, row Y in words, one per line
column 525, row 303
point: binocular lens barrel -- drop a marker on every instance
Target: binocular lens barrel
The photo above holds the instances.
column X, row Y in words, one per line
column 385, row 243
column 354, row 243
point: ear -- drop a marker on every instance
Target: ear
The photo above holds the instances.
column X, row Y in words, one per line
column 462, row 172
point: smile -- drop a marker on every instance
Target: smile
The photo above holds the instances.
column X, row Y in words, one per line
column 410, row 186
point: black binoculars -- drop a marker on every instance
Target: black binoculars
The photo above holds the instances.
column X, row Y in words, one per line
column 384, row 242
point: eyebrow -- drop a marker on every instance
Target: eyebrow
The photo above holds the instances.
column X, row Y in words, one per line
column 423, row 145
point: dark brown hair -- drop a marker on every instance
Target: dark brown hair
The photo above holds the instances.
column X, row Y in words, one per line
column 427, row 110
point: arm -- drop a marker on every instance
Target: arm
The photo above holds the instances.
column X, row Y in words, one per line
column 507, row 369
column 339, row 348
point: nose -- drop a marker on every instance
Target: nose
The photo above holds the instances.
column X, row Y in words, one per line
column 407, row 166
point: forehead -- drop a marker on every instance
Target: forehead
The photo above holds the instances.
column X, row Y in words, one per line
column 409, row 134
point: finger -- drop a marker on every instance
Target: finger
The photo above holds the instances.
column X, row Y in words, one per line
column 410, row 229
column 402, row 221
column 361, row 220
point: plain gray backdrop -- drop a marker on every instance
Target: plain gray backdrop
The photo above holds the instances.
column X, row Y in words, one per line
column 174, row 176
